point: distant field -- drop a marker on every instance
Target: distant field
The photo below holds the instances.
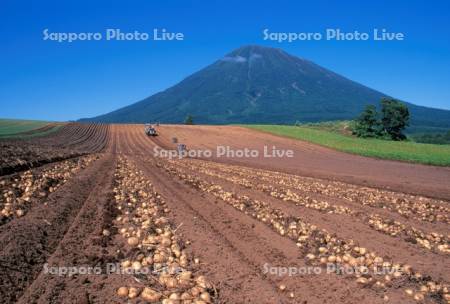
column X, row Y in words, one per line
column 26, row 128
column 405, row 151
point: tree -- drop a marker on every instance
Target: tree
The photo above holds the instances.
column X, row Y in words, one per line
column 367, row 124
column 189, row 120
column 394, row 118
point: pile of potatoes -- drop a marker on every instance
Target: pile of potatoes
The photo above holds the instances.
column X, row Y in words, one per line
column 432, row 241
column 154, row 253
column 286, row 195
column 322, row 248
column 417, row 207
column 20, row 190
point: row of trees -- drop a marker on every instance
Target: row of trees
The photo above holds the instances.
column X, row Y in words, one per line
column 433, row 138
column 390, row 123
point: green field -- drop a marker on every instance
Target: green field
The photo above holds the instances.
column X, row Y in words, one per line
column 405, row 151
column 17, row 128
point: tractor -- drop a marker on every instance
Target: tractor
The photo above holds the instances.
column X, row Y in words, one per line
column 150, row 130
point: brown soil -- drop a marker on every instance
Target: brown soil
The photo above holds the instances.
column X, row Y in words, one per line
column 233, row 246
column 312, row 160
column 71, row 140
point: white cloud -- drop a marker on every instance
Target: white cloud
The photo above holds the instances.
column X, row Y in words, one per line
column 238, row 58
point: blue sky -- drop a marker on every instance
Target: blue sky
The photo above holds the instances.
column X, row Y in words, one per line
column 66, row 81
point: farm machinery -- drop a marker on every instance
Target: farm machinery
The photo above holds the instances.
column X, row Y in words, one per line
column 150, row 130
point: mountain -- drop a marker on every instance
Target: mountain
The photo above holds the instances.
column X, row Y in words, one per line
column 255, row 84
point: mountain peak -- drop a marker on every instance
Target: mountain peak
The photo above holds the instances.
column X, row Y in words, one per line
column 259, row 84
column 255, row 48
column 247, row 51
